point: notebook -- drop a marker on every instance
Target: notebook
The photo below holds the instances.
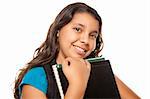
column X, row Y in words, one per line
column 102, row 83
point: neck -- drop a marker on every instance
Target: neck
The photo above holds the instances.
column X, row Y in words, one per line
column 60, row 58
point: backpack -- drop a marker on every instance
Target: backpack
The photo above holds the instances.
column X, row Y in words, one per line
column 108, row 86
column 52, row 90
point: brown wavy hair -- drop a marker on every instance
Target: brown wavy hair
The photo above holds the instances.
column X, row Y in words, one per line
column 50, row 47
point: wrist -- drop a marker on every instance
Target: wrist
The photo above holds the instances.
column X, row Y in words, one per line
column 75, row 92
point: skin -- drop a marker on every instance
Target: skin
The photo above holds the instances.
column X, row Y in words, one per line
column 77, row 40
column 78, row 36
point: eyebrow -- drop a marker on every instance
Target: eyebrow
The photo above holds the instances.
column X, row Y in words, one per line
column 79, row 24
column 95, row 31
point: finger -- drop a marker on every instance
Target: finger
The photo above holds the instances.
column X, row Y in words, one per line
column 88, row 64
column 83, row 61
column 69, row 59
column 66, row 62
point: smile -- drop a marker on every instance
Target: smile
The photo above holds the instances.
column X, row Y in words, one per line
column 79, row 50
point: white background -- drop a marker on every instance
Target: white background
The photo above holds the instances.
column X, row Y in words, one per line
column 126, row 32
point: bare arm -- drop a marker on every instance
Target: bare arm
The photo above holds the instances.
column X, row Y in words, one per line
column 77, row 74
column 29, row 92
column 125, row 92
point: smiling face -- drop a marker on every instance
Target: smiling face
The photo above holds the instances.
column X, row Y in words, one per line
column 78, row 37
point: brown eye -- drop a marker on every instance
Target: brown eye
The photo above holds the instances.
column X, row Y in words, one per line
column 77, row 29
column 94, row 35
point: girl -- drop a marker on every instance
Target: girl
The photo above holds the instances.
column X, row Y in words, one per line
column 73, row 36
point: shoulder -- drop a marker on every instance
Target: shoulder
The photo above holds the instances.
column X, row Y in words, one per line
column 39, row 71
column 35, row 74
column 35, row 77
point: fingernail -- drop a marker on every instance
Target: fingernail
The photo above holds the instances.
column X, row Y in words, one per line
column 68, row 63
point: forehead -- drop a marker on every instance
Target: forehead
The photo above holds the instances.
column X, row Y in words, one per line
column 86, row 20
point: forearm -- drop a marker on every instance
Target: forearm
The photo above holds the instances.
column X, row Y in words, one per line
column 74, row 92
column 125, row 92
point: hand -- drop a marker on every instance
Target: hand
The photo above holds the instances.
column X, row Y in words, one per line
column 77, row 72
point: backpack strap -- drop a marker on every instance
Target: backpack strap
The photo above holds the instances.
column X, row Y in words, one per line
column 52, row 90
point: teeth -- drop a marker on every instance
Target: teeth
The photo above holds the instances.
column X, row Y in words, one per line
column 80, row 49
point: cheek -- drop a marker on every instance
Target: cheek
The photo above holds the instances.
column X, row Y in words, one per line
column 65, row 39
column 92, row 45
column 66, row 34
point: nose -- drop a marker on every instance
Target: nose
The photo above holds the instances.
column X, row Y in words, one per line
column 84, row 38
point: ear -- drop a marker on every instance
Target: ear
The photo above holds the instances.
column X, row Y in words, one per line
column 58, row 33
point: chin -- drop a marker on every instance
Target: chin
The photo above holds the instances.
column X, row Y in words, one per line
column 78, row 56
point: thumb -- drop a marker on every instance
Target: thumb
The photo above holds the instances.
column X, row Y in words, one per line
column 65, row 63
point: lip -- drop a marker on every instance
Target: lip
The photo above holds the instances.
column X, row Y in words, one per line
column 80, row 50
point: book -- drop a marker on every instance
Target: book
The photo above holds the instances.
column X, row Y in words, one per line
column 101, row 82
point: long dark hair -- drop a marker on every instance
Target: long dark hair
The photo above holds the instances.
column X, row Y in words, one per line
column 50, row 47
